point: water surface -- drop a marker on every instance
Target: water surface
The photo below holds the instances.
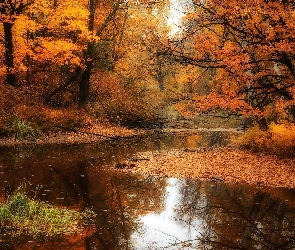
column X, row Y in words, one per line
column 144, row 212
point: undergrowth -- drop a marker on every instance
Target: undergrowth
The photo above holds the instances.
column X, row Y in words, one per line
column 21, row 215
column 279, row 139
column 21, row 129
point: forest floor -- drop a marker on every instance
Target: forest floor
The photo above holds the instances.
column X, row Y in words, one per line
column 219, row 165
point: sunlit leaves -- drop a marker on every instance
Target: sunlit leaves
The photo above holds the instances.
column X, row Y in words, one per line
column 39, row 9
column 69, row 17
column 279, row 139
column 60, row 51
column 51, row 31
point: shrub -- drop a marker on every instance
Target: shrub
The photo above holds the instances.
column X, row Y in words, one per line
column 5, row 214
column 279, row 139
column 19, row 205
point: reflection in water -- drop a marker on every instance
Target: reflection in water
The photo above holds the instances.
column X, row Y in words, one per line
column 164, row 230
column 199, row 215
column 143, row 212
column 240, row 217
column 216, row 139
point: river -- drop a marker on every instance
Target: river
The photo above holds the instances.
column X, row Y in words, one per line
column 145, row 212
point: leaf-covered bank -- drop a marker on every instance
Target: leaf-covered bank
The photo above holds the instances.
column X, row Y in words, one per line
column 227, row 164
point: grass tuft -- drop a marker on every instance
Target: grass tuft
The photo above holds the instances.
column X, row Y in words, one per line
column 21, row 215
column 21, row 129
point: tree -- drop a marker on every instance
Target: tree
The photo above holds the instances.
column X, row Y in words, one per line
column 42, row 32
column 99, row 16
column 9, row 11
column 53, row 42
column 89, row 52
column 251, row 46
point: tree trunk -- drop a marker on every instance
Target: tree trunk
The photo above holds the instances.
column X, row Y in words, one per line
column 262, row 123
column 160, row 75
column 61, row 88
column 85, row 80
column 9, row 59
column 84, row 85
column 160, row 79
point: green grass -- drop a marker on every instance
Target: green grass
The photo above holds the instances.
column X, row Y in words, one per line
column 21, row 129
column 20, row 215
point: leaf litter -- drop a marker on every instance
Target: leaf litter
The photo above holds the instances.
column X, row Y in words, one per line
column 223, row 164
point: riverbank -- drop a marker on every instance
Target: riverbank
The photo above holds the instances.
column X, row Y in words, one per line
column 227, row 164
column 99, row 133
column 218, row 165
column 68, row 136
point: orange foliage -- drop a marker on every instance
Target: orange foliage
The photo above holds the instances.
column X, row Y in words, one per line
column 251, row 45
column 121, row 100
column 50, row 119
column 279, row 139
column 47, row 33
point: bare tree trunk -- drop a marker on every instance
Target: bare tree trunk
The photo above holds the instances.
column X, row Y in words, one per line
column 160, row 76
column 9, row 59
column 262, row 123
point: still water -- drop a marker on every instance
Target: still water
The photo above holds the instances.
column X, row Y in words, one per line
column 144, row 212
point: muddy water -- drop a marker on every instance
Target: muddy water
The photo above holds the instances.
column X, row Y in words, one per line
column 143, row 212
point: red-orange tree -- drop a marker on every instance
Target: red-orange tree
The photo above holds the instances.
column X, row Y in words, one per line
column 251, row 44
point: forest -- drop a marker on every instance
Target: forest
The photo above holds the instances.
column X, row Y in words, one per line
column 83, row 65
column 147, row 124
